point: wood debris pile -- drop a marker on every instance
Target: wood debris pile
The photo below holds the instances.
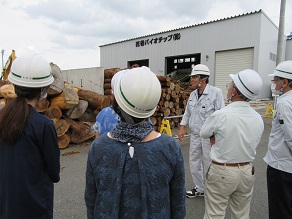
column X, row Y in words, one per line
column 173, row 99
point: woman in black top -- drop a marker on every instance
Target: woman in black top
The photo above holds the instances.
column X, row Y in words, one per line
column 29, row 152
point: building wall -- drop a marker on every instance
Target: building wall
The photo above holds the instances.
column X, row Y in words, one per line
column 254, row 30
column 288, row 49
column 266, row 60
column 239, row 32
column 86, row 78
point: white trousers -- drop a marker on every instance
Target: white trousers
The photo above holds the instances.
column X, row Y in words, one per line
column 233, row 185
column 199, row 160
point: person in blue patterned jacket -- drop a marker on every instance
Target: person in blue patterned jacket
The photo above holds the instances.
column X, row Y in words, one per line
column 133, row 171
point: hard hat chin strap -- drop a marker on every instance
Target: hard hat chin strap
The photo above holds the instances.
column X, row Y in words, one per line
column 127, row 117
column 281, row 88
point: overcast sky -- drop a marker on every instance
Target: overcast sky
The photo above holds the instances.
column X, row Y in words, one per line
column 69, row 32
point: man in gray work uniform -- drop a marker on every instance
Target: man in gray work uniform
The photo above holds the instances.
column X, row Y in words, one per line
column 203, row 101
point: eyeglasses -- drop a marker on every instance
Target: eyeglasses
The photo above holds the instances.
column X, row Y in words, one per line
column 276, row 80
column 195, row 76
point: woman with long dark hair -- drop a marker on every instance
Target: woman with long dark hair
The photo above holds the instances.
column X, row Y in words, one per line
column 29, row 152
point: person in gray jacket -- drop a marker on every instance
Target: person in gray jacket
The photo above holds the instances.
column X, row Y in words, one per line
column 203, row 101
column 279, row 156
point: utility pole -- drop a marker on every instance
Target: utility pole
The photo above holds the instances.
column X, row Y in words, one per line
column 281, row 37
column 2, row 51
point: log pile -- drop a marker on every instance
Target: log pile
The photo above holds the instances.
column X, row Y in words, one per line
column 72, row 109
column 108, row 74
column 173, row 99
column 172, row 102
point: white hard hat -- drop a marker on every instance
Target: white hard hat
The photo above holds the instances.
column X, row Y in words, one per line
column 283, row 70
column 248, row 82
column 200, row 69
column 137, row 92
column 30, row 71
column 116, row 77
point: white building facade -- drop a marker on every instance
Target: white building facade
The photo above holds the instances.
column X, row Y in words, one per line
column 226, row 46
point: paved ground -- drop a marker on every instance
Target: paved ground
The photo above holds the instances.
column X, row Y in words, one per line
column 69, row 201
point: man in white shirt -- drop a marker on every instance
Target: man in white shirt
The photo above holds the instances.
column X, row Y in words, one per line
column 279, row 156
column 235, row 132
column 203, row 101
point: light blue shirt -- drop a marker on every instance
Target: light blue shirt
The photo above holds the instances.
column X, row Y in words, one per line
column 279, row 155
column 106, row 120
column 237, row 129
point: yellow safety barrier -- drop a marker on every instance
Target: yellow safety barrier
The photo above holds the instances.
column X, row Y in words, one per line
column 269, row 111
column 165, row 127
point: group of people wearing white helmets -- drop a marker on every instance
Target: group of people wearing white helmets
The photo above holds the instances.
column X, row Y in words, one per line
column 135, row 172
column 224, row 140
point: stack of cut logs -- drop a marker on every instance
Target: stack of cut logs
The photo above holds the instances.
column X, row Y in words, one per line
column 72, row 109
column 172, row 102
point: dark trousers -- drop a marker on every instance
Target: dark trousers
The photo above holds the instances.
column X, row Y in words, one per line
column 279, row 193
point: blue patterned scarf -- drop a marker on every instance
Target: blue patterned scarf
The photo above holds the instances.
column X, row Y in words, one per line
column 125, row 132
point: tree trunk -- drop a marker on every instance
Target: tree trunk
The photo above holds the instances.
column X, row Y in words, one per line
column 7, row 91
column 58, row 84
column 163, row 78
column 107, row 86
column 42, row 105
column 61, row 126
column 63, row 141
column 78, row 110
column 95, row 100
column 67, row 99
column 88, row 116
column 79, row 132
column 53, row 112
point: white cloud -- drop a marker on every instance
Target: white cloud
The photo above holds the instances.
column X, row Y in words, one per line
column 69, row 32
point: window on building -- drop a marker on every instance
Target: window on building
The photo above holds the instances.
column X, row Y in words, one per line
column 138, row 63
column 182, row 64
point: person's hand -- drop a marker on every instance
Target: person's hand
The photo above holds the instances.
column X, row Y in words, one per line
column 212, row 139
column 181, row 133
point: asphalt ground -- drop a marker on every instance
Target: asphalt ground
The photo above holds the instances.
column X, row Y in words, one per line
column 69, row 192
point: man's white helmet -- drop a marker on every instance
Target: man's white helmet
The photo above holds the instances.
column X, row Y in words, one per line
column 137, row 92
column 248, row 82
column 30, row 71
column 283, row 70
column 200, row 69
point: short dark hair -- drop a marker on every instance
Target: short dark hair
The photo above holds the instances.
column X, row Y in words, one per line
column 240, row 94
